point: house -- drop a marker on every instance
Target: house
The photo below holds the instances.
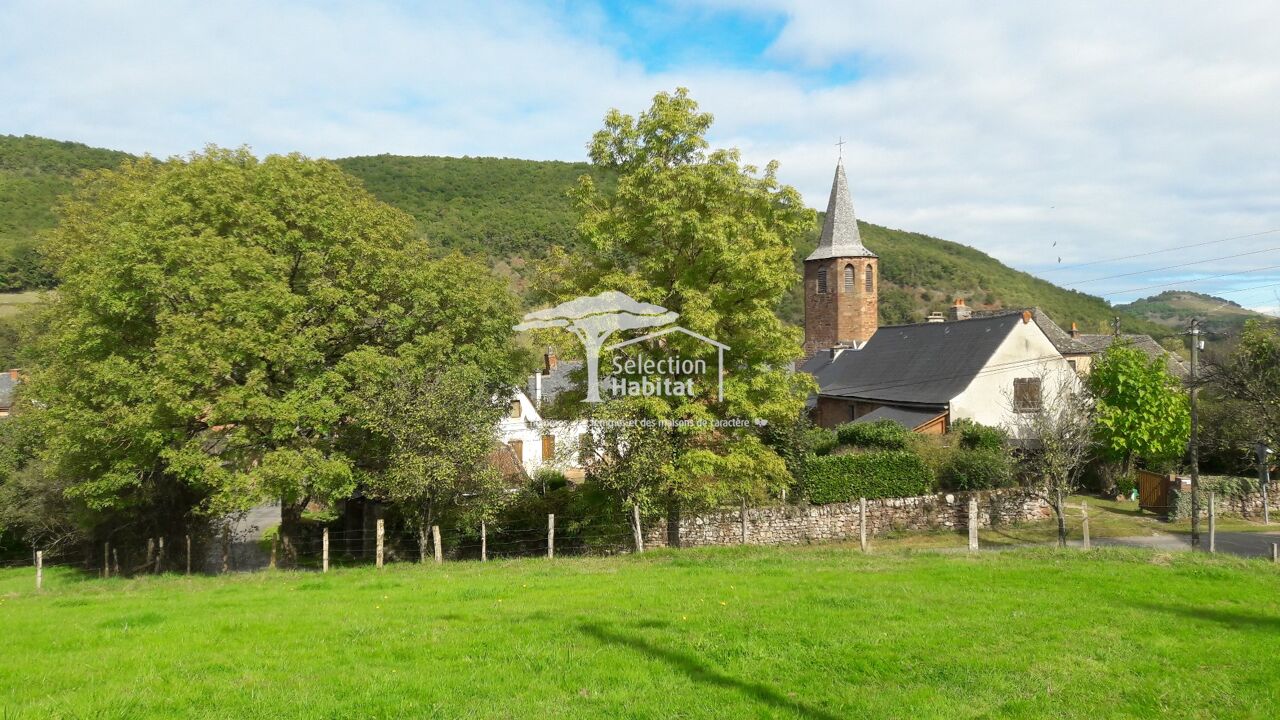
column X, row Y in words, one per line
column 924, row 375
column 1084, row 348
column 536, row 442
column 8, row 387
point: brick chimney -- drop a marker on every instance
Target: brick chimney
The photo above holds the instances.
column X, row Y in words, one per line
column 960, row 311
column 1026, row 316
column 1075, row 331
column 549, row 361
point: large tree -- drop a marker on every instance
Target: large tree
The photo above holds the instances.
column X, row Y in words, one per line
column 1142, row 411
column 215, row 313
column 696, row 231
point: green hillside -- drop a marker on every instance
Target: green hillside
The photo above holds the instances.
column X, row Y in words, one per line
column 510, row 211
column 33, row 173
column 1173, row 309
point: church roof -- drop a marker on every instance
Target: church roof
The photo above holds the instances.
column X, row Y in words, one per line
column 921, row 364
column 840, row 237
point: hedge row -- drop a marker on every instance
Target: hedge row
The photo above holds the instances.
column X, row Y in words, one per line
column 881, row 474
column 880, row 435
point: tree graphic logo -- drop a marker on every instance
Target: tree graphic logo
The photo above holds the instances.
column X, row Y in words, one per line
column 593, row 319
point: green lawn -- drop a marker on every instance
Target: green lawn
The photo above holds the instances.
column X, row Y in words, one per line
column 817, row 632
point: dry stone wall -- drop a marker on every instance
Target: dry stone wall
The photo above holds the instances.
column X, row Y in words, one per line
column 798, row 524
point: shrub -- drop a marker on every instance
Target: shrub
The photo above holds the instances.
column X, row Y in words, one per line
column 1226, row 488
column 550, row 478
column 977, row 469
column 819, row 441
column 881, row 474
column 976, row 436
column 1126, row 484
column 878, row 435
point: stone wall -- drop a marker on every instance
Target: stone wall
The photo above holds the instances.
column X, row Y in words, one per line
column 797, row 524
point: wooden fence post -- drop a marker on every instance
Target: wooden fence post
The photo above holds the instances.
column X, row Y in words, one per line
column 862, row 523
column 551, row 535
column 1275, row 552
column 324, row 551
column 106, row 559
column 435, row 540
column 484, row 542
column 1213, row 524
column 275, row 543
column 381, row 533
column 1084, row 522
column 115, row 561
column 973, row 523
column 39, row 569
column 160, row 555
column 744, row 520
column 151, row 552
column 188, row 554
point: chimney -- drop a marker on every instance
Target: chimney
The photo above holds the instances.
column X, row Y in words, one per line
column 1026, row 316
column 960, row 311
column 537, row 390
column 936, row 317
column 549, row 361
column 1075, row 331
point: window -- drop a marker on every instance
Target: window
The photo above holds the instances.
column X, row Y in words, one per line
column 515, row 409
column 517, row 447
column 871, row 278
column 822, row 280
column 1072, row 363
column 849, row 278
column 548, row 448
column 1026, row 394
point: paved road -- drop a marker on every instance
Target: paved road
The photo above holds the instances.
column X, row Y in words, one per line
column 1248, row 544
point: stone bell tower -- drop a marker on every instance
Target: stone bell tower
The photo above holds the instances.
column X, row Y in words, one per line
column 841, row 279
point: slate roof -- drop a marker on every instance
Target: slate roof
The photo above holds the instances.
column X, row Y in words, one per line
column 7, row 387
column 1097, row 344
column 557, row 381
column 910, row 418
column 840, row 236
column 920, row 364
column 1060, row 338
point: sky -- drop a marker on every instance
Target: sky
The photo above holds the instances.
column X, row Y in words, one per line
column 1049, row 135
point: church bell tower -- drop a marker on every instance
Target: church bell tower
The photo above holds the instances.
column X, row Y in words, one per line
column 841, row 279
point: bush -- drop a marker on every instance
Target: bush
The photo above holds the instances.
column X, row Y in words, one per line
column 1126, row 484
column 976, row 436
column 819, row 441
column 977, row 469
column 882, row 474
column 878, row 435
column 1225, row 487
column 550, row 479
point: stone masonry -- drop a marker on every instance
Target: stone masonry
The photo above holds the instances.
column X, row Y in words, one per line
column 799, row 524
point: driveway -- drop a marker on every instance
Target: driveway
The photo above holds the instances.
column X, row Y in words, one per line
column 1247, row 544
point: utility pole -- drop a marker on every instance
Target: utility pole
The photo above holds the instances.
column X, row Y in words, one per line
column 1115, row 326
column 1195, row 437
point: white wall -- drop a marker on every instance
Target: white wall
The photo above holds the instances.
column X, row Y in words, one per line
column 1025, row 353
column 529, row 429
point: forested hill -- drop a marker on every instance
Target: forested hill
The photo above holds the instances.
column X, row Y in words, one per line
column 1175, row 308
column 511, row 210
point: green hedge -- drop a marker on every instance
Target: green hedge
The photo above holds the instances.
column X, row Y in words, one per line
column 976, row 436
column 878, row 435
column 881, row 474
column 977, row 469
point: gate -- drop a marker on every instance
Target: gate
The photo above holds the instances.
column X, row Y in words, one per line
column 1155, row 491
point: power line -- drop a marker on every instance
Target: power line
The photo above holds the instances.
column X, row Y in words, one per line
column 1171, row 267
column 1164, row 250
column 1193, row 280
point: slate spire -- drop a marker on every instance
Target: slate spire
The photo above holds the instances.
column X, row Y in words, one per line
column 840, row 237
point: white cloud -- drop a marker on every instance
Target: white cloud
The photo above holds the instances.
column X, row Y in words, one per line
column 1109, row 128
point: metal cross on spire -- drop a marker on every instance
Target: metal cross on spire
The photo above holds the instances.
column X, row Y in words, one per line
column 840, row 146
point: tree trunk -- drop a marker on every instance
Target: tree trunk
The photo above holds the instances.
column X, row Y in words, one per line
column 635, row 528
column 290, row 526
column 1060, row 511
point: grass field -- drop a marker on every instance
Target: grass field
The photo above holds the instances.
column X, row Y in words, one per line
column 817, row 632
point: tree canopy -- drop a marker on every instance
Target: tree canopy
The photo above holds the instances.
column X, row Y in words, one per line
column 1142, row 411
column 215, row 316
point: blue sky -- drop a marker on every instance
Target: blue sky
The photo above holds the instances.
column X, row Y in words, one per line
column 1033, row 131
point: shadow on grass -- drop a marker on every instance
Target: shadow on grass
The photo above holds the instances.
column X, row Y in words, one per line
column 698, row 671
column 1230, row 618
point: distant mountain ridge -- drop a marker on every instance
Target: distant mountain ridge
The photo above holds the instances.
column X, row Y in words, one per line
column 511, row 211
